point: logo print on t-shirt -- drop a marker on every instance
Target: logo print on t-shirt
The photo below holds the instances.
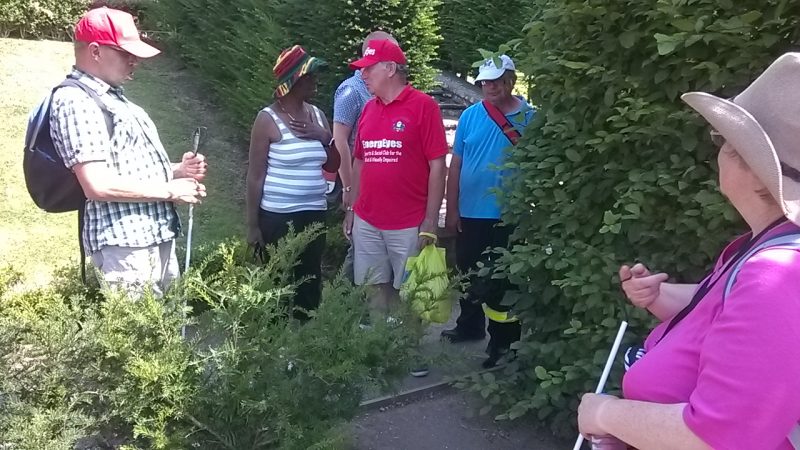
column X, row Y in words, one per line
column 399, row 126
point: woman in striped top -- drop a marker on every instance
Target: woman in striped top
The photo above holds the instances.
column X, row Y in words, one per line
column 290, row 146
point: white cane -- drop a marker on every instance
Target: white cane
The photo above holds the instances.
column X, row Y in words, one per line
column 195, row 146
column 601, row 385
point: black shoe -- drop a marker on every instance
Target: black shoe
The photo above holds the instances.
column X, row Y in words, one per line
column 498, row 355
column 455, row 336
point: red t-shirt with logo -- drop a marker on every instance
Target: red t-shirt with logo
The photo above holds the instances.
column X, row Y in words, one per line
column 396, row 141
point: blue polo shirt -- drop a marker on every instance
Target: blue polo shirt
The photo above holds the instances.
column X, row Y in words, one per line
column 348, row 102
column 481, row 145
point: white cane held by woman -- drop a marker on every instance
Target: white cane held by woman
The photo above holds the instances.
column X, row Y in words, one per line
column 606, row 370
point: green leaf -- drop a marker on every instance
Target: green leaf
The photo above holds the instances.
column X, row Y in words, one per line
column 572, row 155
column 627, row 39
column 666, row 44
column 541, row 373
column 751, row 16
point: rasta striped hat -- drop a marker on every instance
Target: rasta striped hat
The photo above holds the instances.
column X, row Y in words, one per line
column 292, row 64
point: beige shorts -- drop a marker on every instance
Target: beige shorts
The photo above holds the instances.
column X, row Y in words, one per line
column 133, row 269
column 380, row 255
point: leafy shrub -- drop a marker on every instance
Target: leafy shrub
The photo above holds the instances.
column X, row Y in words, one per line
column 469, row 23
column 117, row 372
column 41, row 19
column 54, row 19
column 616, row 169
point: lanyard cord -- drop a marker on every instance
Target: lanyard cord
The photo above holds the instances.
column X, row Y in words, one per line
column 711, row 280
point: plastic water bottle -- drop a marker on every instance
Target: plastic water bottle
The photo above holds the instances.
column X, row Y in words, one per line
column 607, row 443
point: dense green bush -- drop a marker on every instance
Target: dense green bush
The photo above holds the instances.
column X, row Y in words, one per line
column 54, row 19
column 116, row 372
column 467, row 24
column 232, row 44
column 43, row 19
column 235, row 44
column 616, row 169
column 336, row 30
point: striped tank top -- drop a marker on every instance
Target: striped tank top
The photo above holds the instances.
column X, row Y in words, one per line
column 294, row 180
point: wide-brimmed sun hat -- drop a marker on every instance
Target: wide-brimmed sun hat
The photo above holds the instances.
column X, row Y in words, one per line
column 292, row 64
column 763, row 125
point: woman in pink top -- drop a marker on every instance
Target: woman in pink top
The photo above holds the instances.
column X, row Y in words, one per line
column 722, row 370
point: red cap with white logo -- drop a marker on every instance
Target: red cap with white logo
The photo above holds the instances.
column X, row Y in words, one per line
column 380, row 50
column 107, row 26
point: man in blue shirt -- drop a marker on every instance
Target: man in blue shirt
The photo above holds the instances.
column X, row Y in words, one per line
column 472, row 207
column 348, row 102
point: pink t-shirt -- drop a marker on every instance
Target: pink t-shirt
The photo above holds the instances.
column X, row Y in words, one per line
column 736, row 364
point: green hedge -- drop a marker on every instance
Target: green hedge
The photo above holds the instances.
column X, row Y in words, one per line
column 54, row 19
column 42, row 19
column 235, row 44
column 336, row 29
column 469, row 24
column 616, row 168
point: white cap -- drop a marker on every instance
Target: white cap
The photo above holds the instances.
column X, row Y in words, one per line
column 489, row 71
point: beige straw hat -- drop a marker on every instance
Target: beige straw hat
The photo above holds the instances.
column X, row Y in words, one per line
column 763, row 125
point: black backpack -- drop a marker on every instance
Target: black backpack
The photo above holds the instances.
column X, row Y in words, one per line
column 52, row 186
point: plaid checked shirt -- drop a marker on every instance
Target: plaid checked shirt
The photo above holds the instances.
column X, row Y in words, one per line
column 134, row 152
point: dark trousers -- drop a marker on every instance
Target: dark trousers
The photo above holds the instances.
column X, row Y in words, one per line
column 475, row 237
column 275, row 226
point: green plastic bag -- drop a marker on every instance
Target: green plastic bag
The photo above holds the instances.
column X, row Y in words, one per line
column 426, row 286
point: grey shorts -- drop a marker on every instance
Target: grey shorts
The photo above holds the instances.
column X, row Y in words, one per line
column 133, row 269
column 380, row 255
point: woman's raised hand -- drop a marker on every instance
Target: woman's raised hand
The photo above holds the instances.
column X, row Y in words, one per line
column 641, row 287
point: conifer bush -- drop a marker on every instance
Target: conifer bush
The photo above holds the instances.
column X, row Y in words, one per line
column 116, row 373
column 616, row 169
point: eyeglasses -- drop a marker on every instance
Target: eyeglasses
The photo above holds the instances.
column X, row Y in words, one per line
column 120, row 50
column 716, row 137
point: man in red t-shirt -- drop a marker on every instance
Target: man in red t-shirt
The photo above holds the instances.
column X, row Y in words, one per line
column 398, row 171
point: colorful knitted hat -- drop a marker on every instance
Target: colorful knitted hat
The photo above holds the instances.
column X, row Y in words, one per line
column 292, row 64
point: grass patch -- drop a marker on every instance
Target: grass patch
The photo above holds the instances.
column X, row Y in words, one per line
column 36, row 242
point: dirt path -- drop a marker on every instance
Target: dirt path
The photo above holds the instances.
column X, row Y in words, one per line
column 445, row 421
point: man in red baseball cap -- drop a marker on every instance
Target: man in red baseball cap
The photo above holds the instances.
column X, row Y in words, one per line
column 111, row 144
column 398, row 175
column 113, row 27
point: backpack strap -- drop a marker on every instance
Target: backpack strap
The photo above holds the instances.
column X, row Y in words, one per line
column 794, row 437
column 789, row 240
column 108, row 116
column 502, row 122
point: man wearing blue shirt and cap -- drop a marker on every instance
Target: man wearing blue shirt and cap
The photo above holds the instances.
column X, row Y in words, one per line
column 484, row 132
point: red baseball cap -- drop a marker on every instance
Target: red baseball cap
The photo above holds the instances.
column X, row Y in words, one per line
column 107, row 26
column 379, row 51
